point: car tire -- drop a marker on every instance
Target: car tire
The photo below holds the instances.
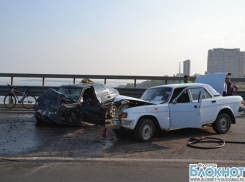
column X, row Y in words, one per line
column 144, row 130
column 222, row 124
column 112, row 112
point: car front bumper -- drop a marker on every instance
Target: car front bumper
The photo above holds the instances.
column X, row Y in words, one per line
column 125, row 123
column 48, row 116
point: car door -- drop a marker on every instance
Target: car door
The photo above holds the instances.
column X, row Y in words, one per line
column 209, row 108
column 101, row 93
column 184, row 113
column 111, row 94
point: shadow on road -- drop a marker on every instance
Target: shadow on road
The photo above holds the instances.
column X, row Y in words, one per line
column 23, row 137
column 162, row 140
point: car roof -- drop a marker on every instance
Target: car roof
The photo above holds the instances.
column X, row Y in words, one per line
column 81, row 85
column 209, row 88
column 181, row 85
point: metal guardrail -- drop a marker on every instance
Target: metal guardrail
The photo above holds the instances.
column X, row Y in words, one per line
column 133, row 92
column 38, row 90
column 104, row 77
column 34, row 90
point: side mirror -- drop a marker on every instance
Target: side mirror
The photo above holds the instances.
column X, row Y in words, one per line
column 174, row 101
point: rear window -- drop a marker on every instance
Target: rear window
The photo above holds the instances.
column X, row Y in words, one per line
column 212, row 91
column 207, row 95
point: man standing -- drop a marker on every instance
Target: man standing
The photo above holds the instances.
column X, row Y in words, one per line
column 186, row 79
column 231, row 87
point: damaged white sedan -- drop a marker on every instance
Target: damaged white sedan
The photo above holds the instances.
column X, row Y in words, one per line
column 177, row 106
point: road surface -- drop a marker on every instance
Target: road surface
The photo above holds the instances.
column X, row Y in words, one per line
column 62, row 153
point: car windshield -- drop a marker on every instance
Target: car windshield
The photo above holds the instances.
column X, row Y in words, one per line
column 71, row 92
column 157, row 94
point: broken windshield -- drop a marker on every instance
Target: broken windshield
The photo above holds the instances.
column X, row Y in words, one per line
column 157, row 94
column 71, row 92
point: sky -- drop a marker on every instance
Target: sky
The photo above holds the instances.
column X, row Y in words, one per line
column 116, row 37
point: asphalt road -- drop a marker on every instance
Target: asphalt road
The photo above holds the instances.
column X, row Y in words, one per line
column 93, row 171
column 62, row 153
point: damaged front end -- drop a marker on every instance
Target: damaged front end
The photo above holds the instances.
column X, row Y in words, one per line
column 123, row 102
column 54, row 107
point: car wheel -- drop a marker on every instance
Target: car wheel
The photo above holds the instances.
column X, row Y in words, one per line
column 144, row 130
column 222, row 124
column 113, row 112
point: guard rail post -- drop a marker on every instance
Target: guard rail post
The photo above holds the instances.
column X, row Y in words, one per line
column 43, row 84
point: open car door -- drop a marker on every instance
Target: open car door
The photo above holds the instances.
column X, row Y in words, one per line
column 183, row 112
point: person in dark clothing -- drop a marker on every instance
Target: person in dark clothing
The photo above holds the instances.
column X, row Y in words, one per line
column 186, row 79
column 231, row 88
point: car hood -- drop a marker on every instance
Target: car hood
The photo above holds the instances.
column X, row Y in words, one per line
column 215, row 80
column 130, row 101
column 51, row 100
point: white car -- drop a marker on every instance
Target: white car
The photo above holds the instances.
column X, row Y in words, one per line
column 176, row 106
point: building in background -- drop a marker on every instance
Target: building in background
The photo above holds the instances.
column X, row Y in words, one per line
column 187, row 67
column 226, row 60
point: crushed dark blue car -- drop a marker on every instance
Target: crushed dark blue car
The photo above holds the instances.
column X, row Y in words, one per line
column 77, row 103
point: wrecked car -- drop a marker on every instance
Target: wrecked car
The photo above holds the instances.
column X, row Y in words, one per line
column 100, row 93
column 176, row 106
column 72, row 104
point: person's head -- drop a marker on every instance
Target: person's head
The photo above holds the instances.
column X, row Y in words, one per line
column 186, row 77
column 227, row 79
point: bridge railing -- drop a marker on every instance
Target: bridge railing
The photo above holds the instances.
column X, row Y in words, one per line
column 38, row 90
column 133, row 91
column 12, row 77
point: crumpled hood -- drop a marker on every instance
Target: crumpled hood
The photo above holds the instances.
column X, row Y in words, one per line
column 50, row 100
column 130, row 100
